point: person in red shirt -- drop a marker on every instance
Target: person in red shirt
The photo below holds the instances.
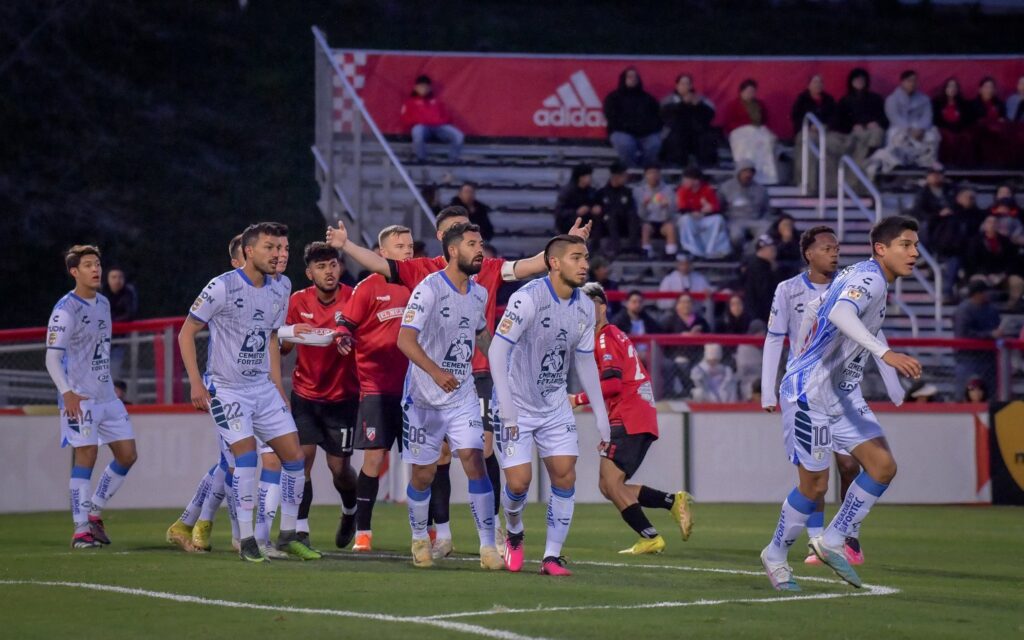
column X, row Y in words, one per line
column 494, row 271
column 626, row 387
column 703, row 230
column 426, row 118
column 325, row 389
column 373, row 316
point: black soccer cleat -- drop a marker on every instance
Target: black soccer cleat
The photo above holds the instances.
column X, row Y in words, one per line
column 346, row 531
column 249, row 550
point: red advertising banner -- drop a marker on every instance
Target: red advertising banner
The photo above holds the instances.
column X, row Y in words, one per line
column 536, row 96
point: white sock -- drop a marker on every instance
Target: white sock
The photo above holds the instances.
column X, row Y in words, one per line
column 215, row 496
column 796, row 510
column 481, row 503
column 229, row 486
column 513, row 505
column 443, row 530
column 110, row 482
column 560, row 508
column 245, row 498
column 855, row 531
column 860, row 497
column 195, row 505
column 269, row 499
column 78, row 489
column 419, row 510
column 293, row 483
column 816, row 524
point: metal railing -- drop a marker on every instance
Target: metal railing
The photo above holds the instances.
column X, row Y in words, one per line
column 809, row 148
column 355, row 164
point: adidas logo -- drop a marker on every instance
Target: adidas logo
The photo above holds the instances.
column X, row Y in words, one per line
column 574, row 104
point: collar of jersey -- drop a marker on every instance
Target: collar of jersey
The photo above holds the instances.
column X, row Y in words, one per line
column 81, row 299
column 244, row 277
column 807, row 281
column 572, row 299
column 469, row 283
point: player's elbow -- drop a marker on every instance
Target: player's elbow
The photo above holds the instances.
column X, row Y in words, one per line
column 406, row 340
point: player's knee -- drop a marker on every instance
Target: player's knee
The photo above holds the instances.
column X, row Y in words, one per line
column 605, row 487
column 128, row 459
column 886, row 472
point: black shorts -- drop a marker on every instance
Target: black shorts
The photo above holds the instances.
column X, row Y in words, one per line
column 628, row 451
column 330, row 425
column 484, row 390
column 379, row 423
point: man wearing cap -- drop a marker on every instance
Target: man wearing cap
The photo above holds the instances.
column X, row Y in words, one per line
column 619, row 211
column 745, row 203
column 426, row 118
column 759, row 277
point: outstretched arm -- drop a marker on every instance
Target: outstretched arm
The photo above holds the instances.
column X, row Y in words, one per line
column 338, row 238
column 529, row 267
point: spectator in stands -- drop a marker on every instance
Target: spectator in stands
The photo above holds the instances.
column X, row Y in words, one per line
column 712, row 380
column 975, row 390
column 759, row 278
column 953, row 117
column 966, row 207
column 634, row 319
column 993, row 143
column 861, row 117
column 736, row 320
column 432, row 196
column 922, row 392
column 427, row 119
column 1015, row 124
column 579, row 199
column 685, row 319
column 975, row 318
column 687, row 116
column 124, row 302
column 814, row 99
column 1007, row 213
column 912, row 139
column 746, row 122
column 993, row 260
column 946, row 230
column 479, row 213
column 619, row 208
column 745, row 202
column 702, row 229
column 1015, row 103
column 682, row 279
column 601, row 273
column 788, row 257
column 935, row 198
column 634, row 126
column 657, row 211
column 748, row 361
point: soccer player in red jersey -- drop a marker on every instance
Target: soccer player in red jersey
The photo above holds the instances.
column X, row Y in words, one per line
column 325, row 389
column 626, row 387
column 493, row 272
column 373, row 315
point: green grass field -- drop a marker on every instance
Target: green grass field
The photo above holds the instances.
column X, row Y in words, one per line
column 937, row 572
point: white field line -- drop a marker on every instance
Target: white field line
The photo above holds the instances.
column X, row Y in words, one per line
column 177, row 597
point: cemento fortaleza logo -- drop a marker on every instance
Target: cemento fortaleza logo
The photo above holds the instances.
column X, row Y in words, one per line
column 573, row 104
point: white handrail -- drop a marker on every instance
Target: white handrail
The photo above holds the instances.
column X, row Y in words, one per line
column 357, row 103
column 807, row 148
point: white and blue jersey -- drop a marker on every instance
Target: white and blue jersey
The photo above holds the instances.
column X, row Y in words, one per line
column 82, row 329
column 829, row 366
column 789, row 305
column 242, row 319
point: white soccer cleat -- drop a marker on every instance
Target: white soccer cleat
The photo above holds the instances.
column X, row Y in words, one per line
column 441, row 548
column 780, row 574
column 271, row 551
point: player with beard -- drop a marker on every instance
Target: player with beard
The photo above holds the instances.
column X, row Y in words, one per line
column 546, row 323
column 443, row 323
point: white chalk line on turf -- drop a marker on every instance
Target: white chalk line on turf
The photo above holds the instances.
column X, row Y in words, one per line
column 381, row 617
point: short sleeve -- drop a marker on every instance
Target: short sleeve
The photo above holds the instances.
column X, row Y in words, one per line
column 358, row 306
column 61, row 326
column 412, row 272
column 293, row 310
column 861, row 289
column 518, row 314
column 210, row 301
column 482, row 324
column 421, row 305
column 586, row 343
column 606, row 353
column 778, row 319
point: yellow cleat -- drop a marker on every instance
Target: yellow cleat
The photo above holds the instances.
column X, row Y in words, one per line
column 180, row 535
column 490, row 559
column 682, row 514
column 421, row 554
column 201, row 535
column 645, row 545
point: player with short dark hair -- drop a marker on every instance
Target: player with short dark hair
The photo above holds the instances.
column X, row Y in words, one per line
column 626, row 388
column 78, row 361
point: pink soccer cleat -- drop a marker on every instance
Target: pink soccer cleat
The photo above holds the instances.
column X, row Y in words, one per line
column 553, row 566
column 854, row 554
column 812, row 559
column 514, row 552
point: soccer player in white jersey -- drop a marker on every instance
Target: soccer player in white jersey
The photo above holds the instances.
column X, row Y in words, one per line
column 546, row 323
column 443, row 322
column 78, row 361
column 840, row 329
column 242, row 387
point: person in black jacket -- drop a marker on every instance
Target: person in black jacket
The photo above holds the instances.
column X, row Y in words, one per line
column 687, row 116
column 759, row 278
column 579, row 199
column 935, row 198
column 479, row 213
column 633, row 319
column 953, row 116
column 634, row 126
column 861, row 115
column 619, row 209
column 814, row 99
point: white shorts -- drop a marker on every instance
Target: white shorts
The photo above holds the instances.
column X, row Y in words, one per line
column 258, row 411
column 553, row 434
column 811, row 435
column 425, row 428
column 101, row 423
